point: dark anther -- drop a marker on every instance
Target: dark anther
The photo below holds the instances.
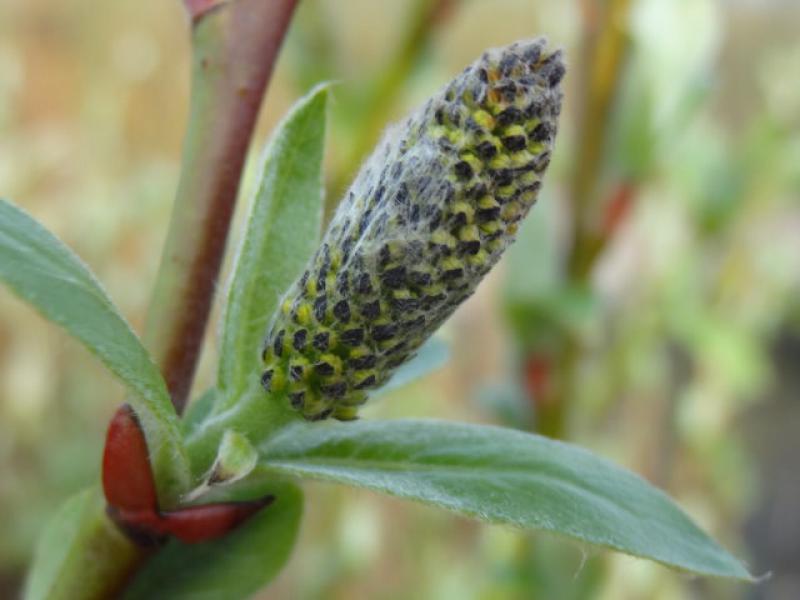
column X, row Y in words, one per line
column 463, row 170
column 364, row 284
column 431, row 301
column 296, row 372
column 419, row 278
column 396, row 361
column 352, row 337
column 533, row 110
column 459, row 219
column 486, row 150
column 341, row 282
column 365, row 383
column 277, row 345
column 324, row 368
column 534, row 187
column 415, row 248
column 507, row 64
column 502, row 177
column 509, row 116
column 417, row 323
column 266, row 379
column 321, row 341
column 371, row 310
column 382, row 333
column 401, row 197
column 556, row 75
column 297, row 399
column 364, row 362
column 514, row 143
column 448, row 192
column 488, row 214
column 364, row 222
column 470, row 247
column 532, row 54
column 396, row 348
column 476, row 191
column 334, row 390
column 394, row 278
column 320, row 306
column 541, row 133
column 436, row 220
column 299, row 340
column 507, row 90
column 451, row 274
column 405, row 304
column 321, row 280
column 341, row 310
column 542, row 162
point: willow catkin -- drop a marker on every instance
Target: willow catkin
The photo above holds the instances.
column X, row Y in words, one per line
column 428, row 215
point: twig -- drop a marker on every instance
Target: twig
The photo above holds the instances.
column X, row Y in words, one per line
column 234, row 47
column 603, row 56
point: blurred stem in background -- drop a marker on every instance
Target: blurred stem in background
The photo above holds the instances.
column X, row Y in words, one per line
column 604, row 48
column 602, row 62
column 550, row 365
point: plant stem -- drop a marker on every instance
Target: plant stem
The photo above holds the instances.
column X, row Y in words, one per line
column 603, row 56
column 234, row 47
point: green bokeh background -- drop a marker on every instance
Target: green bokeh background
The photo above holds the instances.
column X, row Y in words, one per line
column 674, row 349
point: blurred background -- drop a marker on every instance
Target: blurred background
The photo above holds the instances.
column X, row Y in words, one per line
column 649, row 310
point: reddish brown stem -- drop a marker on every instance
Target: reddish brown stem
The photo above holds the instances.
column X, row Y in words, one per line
column 197, row 8
column 604, row 52
column 234, row 49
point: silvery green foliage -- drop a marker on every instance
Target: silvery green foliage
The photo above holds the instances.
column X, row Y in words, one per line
column 428, row 215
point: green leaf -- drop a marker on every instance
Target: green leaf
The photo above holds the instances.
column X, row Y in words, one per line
column 282, row 231
column 431, row 356
column 503, row 476
column 235, row 566
column 198, row 411
column 80, row 553
column 47, row 274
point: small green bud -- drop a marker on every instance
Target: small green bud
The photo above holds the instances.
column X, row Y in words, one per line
column 236, row 458
column 428, row 215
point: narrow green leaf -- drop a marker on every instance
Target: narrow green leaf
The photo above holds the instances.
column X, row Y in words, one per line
column 282, row 231
column 81, row 553
column 503, row 476
column 48, row 275
column 433, row 355
column 233, row 567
